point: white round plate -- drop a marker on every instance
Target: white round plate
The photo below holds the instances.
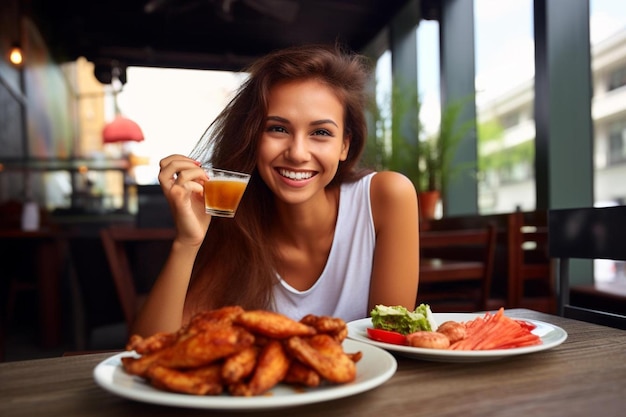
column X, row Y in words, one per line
column 550, row 335
column 375, row 367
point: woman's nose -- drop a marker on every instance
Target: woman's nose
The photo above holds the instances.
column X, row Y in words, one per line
column 298, row 149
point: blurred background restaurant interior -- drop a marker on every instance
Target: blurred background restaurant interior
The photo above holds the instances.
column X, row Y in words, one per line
column 548, row 78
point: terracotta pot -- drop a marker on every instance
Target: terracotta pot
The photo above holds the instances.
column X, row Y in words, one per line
column 427, row 204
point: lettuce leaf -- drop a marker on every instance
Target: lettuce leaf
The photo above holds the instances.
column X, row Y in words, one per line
column 400, row 319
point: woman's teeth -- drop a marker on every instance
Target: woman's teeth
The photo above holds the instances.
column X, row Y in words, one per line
column 296, row 175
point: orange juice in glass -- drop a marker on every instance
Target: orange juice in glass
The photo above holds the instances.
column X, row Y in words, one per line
column 223, row 191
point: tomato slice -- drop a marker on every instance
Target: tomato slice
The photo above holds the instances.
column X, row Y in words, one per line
column 386, row 336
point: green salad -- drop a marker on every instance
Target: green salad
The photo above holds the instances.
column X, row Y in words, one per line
column 400, row 319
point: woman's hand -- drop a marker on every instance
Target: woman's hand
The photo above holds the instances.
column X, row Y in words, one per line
column 182, row 180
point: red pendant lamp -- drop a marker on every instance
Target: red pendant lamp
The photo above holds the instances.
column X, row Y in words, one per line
column 122, row 129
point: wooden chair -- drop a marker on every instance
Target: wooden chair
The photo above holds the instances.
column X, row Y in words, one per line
column 587, row 233
column 456, row 267
column 118, row 243
column 32, row 263
column 530, row 269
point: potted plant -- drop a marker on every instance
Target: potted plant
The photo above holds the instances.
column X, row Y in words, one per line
column 435, row 155
column 398, row 142
column 429, row 180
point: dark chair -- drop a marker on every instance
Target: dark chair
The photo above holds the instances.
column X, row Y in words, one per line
column 135, row 257
column 456, row 267
column 530, row 269
column 31, row 267
column 111, row 267
column 97, row 318
column 587, row 233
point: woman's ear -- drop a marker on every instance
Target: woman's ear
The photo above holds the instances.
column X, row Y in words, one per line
column 345, row 147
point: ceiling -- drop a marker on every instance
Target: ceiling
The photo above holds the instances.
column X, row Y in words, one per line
column 202, row 34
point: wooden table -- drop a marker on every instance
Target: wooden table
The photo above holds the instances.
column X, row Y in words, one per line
column 585, row 376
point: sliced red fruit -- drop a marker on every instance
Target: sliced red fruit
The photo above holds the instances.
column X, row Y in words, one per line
column 386, row 336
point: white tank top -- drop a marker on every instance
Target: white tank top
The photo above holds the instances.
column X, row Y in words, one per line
column 342, row 290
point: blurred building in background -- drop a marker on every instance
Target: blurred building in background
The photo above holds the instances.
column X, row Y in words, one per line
column 508, row 182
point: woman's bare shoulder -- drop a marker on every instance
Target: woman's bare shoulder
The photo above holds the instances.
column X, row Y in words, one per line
column 392, row 194
column 391, row 184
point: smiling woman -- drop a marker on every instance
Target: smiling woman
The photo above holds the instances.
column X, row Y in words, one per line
column 304, row 139
column 314, row 232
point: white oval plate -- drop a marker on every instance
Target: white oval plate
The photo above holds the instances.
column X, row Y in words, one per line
column 375, row 367
column 550, row 335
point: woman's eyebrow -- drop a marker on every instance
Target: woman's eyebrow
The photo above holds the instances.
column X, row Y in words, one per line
column 277, row 119
column 323, row 122
column 314, row 123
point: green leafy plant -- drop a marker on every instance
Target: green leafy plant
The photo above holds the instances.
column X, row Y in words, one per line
column 398, row 141
column 495, row 156
column 437, row 151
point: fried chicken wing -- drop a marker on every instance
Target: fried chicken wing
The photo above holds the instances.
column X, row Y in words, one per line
column 198, row 381
column 271, row 368
column 325, row 355
column 202, row 348
column 355, row 356
column 222, row 316
column 271, row 324
column 139, row 365
column 198, row 323
column 151, row 344
column 240, row 365
column 333, row 326
column 301, row 374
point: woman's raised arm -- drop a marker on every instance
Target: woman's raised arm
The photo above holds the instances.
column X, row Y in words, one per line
column 181, row 180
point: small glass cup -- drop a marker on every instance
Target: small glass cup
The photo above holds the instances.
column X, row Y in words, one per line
column 223, row 191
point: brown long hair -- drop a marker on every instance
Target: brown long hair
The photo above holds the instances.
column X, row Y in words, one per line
column 236, row 263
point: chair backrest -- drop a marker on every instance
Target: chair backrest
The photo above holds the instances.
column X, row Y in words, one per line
column 529, row 262
column 462, row 255
column 586, row 233
column 117, row 242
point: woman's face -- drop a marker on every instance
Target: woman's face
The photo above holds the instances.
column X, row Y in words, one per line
column 303, row 140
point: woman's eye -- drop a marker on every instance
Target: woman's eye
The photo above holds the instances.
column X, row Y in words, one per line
column 322, row 132
column 275, row 128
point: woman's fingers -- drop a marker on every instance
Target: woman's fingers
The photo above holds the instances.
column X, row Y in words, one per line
column 173, row 166
column 181, row 177
column 182, row 181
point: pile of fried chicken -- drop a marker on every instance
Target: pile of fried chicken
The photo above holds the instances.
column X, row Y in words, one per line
column 243, row 353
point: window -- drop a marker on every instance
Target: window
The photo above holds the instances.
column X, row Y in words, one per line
column 617, row 143
column 617, row 78
column 505, row 65
column 510, row 120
